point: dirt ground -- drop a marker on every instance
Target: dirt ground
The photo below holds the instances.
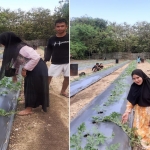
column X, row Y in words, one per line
column 145, row 67
column 43, row 131
column 78, row 101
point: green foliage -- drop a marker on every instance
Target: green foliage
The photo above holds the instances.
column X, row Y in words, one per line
column 99, row 108
column 86, row 35
column 95, row 22
column 37, row 23
column 4, row 113
column 7, row 83
column 131, row 132
column 77, row 49
column 92, row 141
column 62, row 10
column 110, row 36
column 75, row 139
column 113, row 147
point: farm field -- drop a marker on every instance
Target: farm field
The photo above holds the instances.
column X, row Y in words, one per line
column 83, row 102
column 78, row 101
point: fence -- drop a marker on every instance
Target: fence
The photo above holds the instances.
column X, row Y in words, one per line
column 39, row 42
column 121, row 55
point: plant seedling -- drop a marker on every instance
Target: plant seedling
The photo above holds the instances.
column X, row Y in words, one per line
column 4, row 113
column 96, row 119
column 134, row 140
column 3, row 93
column 75, row 139
column 99, row 109
column 113, row 147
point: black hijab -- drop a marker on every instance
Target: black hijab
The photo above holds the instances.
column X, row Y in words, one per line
column 12, row 44
column 140, row 94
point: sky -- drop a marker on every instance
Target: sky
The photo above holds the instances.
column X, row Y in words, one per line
column 119, row 11
column 26, row 5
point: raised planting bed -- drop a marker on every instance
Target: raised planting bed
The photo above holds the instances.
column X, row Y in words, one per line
column 83, row 83
column 9, row 93
column 91, row 64
column 98, row 125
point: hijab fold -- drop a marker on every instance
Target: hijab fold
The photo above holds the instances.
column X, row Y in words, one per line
column 140, row 94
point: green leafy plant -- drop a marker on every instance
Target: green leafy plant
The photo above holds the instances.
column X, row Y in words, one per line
column 96, row 119
column 75, row 139
column 95, row 139
column 115, row 118
column 99, row 109
column 9, row 85
column 92, row 139
column 4, row 113
column 3, row 93
column 113, row 147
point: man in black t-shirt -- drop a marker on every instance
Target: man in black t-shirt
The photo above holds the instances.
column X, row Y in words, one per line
column 58, row 51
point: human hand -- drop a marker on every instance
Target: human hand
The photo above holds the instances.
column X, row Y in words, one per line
column 24, row 73
column 125, row 117
column 14, row 79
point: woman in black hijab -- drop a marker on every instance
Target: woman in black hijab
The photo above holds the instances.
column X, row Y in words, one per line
column 34, row 70
column 139, row 99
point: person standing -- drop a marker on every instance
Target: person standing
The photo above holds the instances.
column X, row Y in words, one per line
column 34, row 71
column 138, row 59
column 58, row 51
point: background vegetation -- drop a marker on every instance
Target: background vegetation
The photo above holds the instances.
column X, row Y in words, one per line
column 94, row 35
column 35, row 24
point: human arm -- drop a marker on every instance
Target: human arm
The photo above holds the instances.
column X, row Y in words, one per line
column 48, row 51
column 128, row 110
column 32, row 56
column 93, row 68
column 24, row 72
column 14, row 78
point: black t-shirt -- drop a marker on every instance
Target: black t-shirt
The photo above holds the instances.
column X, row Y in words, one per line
column 58, row 49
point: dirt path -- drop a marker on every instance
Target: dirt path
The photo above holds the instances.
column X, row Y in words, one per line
column 81, row 99
column 145, row 67
column 43, row 131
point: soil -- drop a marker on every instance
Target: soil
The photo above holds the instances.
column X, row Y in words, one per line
column 145, row 67
column 84, row 97
column 43, row 131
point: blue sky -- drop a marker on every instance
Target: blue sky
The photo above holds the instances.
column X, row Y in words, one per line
column 28, row 4
column 130, row 11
